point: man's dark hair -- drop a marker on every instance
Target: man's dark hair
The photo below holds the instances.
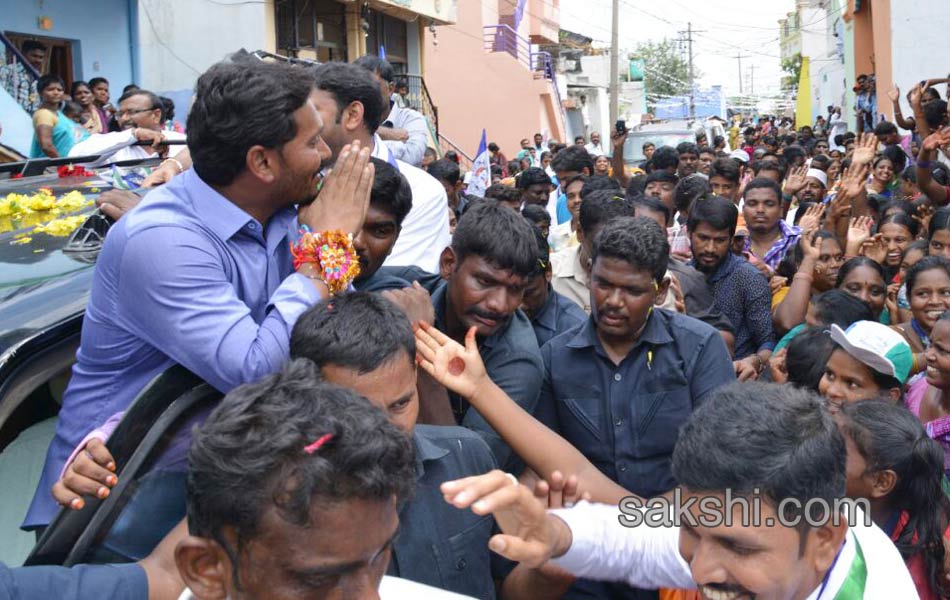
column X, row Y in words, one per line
column 578, row 138
column 653, row 204
column 707, row 150
column 599, row 182
column 130, row 88
column 573, row 158
column 238, row 105
column 638, row 241
column 665, row 157
column 543, row 250
column 766, row 164
column 532, row 176
column 391, row 190
column 769, row 140
column 716, row 211
column 636, row 186
column 349, row 83
column 764, row 183
column 498, row 235
column 648, row 145
column 662, row 177
column 838, row 307
column 779, row 440
column 792, row 153
column 153, row 100
column 445, row 170
column 885, row 128
column 600, row 208
column 31, row 45
column 719, row 141
column 96, row 81
column 497, row 191
column 821, row 162
column 726, row 168
column 688, row 189
column 375, row 64
column 536, row 214
column 360, row 331
column 687, row 148
column 935, row 113
column 493, row 147
column 249, row 456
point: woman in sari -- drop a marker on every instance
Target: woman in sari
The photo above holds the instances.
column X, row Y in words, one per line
column 94, row 117
column 54, row 133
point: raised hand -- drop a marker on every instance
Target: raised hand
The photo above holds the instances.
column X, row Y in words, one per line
column 415, row 302
column 343, row 198
column 811, row 221
column 936, row 140
column 777, row 366
column 894, row 94
column 890, row 301
column 854, row 180
column 811, row 245
column 558, row 491
column 864, row 149
column 924, row 215
column 777, row 282
column 530, row 536
column 858, row 232
column 795, row 180
column 874, row 248
column 458, row 368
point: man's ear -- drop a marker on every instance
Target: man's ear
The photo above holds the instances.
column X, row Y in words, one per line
column 662, row 289
column 204, row 566
column 448, row 262
column 825, row 543
column 352, row 117
column 262, row 163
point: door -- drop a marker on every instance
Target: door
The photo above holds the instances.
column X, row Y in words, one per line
column 59, row 54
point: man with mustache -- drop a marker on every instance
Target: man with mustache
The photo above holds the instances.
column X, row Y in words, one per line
column 481, row 284
column 773, row 443
column 770, row 237
column 741, row 292
column 618, row 386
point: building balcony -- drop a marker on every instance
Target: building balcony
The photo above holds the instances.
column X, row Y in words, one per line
column 538, row 20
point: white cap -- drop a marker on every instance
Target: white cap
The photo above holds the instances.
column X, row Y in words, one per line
column 467, row 178
column 741, row 155
column 818, row 174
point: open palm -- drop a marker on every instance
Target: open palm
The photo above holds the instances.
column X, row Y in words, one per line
column 459, row 368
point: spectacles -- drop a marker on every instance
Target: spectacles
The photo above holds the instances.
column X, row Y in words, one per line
column 131, row 112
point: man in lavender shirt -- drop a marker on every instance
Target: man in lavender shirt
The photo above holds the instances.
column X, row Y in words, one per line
column 200, row 273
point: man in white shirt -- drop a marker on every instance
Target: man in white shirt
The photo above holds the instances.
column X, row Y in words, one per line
column 140, row 115
column 594, row 148
column 352, row 104
column 776, row 448
column 404, row 130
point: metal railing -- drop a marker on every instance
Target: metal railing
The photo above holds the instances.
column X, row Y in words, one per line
column 21, row 80
column 419, row 98
column 502, row 38
column 465, row 161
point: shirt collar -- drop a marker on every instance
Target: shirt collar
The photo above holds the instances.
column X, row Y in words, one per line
column 382, row 152
column 655, row 333
column 726, row 268
column 215, row 211
column 426, row 451
column 547, row 316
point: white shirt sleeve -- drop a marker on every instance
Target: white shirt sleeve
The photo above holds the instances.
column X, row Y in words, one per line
column 603, row 549
column 412, row 150
column 425, row 231
column 104, row 144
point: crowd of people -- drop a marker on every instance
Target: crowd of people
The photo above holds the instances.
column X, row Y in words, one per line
column 431, row 393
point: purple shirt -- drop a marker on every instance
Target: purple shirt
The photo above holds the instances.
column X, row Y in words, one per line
column 782, row 245
column 189, row 278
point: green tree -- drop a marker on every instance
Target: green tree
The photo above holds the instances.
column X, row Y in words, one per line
column 793, row 67
column 667, row 71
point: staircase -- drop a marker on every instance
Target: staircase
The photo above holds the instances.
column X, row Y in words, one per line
column 17, row 131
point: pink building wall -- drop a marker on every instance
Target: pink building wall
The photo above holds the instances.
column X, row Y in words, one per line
column 475, row 89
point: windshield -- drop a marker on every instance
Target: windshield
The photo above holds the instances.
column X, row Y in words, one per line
column 633, row 148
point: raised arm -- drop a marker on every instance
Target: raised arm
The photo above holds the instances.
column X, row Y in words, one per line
column 460, row 369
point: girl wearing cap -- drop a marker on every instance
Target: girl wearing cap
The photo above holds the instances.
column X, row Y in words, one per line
column 869, row 361
column 895, row 466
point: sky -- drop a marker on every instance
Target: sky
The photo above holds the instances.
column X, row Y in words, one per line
column 726, row 28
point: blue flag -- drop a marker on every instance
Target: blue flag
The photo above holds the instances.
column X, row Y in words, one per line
column 382, row 52
column 481, row 169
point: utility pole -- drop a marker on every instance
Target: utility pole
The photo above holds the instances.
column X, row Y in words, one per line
column 687, row 37
column 614, row 62
column 739, row 58
column 752, row 80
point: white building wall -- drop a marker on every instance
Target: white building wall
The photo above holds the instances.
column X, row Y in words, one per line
column 919, row 41
column 180, row 39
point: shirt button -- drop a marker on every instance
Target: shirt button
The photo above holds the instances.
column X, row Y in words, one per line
column 617, row 377
column 252, row 225
column 621, row 467
column 461, row 564
column 619, row 423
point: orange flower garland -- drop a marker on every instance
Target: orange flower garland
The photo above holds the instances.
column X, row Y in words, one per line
column 332, row 252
